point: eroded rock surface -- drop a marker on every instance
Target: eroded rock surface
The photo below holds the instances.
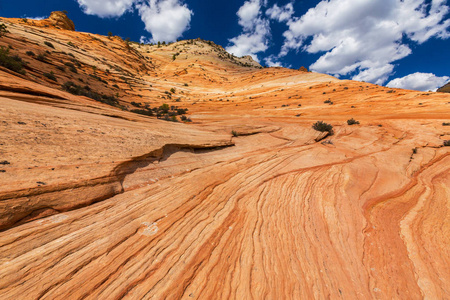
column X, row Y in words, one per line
column 245, row 202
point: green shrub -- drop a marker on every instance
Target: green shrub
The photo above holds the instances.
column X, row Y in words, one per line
column 3, row 29
column 234, row 133
column 50, row 76
column 172, row 90
column 322, row 126
column 49, row 44
column 30, row 53
column 181, row 111
column 164, row 108
column 13, row 63
column 447, row 143
column 61, row 68
column 352, row 122
column 142, row 112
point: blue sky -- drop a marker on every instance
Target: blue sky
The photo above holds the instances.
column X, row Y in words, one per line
column 390, row 42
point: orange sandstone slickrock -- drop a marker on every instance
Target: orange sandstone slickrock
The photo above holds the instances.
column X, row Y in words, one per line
column 98, row 202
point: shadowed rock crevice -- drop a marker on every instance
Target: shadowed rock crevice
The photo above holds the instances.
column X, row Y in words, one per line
column 44, row 201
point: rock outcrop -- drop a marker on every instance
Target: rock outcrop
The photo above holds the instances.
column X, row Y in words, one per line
column 444, row 89
column 303, row 69
column 247, row 201
column 60, row 19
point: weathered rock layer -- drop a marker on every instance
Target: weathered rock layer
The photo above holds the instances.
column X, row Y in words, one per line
column 245, row 202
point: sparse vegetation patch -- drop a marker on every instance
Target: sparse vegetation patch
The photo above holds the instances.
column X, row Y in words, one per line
column 50, row 76
column 11, row 62
column 3, row 29
column 86, row 91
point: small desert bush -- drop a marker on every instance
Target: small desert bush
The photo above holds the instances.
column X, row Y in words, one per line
column 447, row 143
column 352, row 122
column 30, row 53
column 322, row 126
column 137, row 104
column 3, row 29
column 164, row 108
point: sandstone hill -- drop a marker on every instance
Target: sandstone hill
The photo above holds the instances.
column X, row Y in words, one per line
column 104, row 196
column 444, row 89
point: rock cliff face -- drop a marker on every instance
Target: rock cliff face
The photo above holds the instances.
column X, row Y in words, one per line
column 247, row 201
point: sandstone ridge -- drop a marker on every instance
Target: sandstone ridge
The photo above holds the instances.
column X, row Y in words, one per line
column 445, row 88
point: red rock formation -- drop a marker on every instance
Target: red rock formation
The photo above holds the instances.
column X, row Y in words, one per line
column 60, row 19
column 98, row 202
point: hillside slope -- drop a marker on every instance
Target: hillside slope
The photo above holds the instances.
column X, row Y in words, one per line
column 247, row 201
column 444, row 89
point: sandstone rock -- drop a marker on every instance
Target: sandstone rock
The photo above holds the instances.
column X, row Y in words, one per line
column 321, row 136
column 60, row 19
column 444, row 89
column 99, row 202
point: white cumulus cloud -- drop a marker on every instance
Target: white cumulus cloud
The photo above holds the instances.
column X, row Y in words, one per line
column 35, row 18
column 106, row 8
column 166, row 20
column 273, row 61
column 281, row 14
column 256, row 31
column 362, row 38
column 419, row 81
